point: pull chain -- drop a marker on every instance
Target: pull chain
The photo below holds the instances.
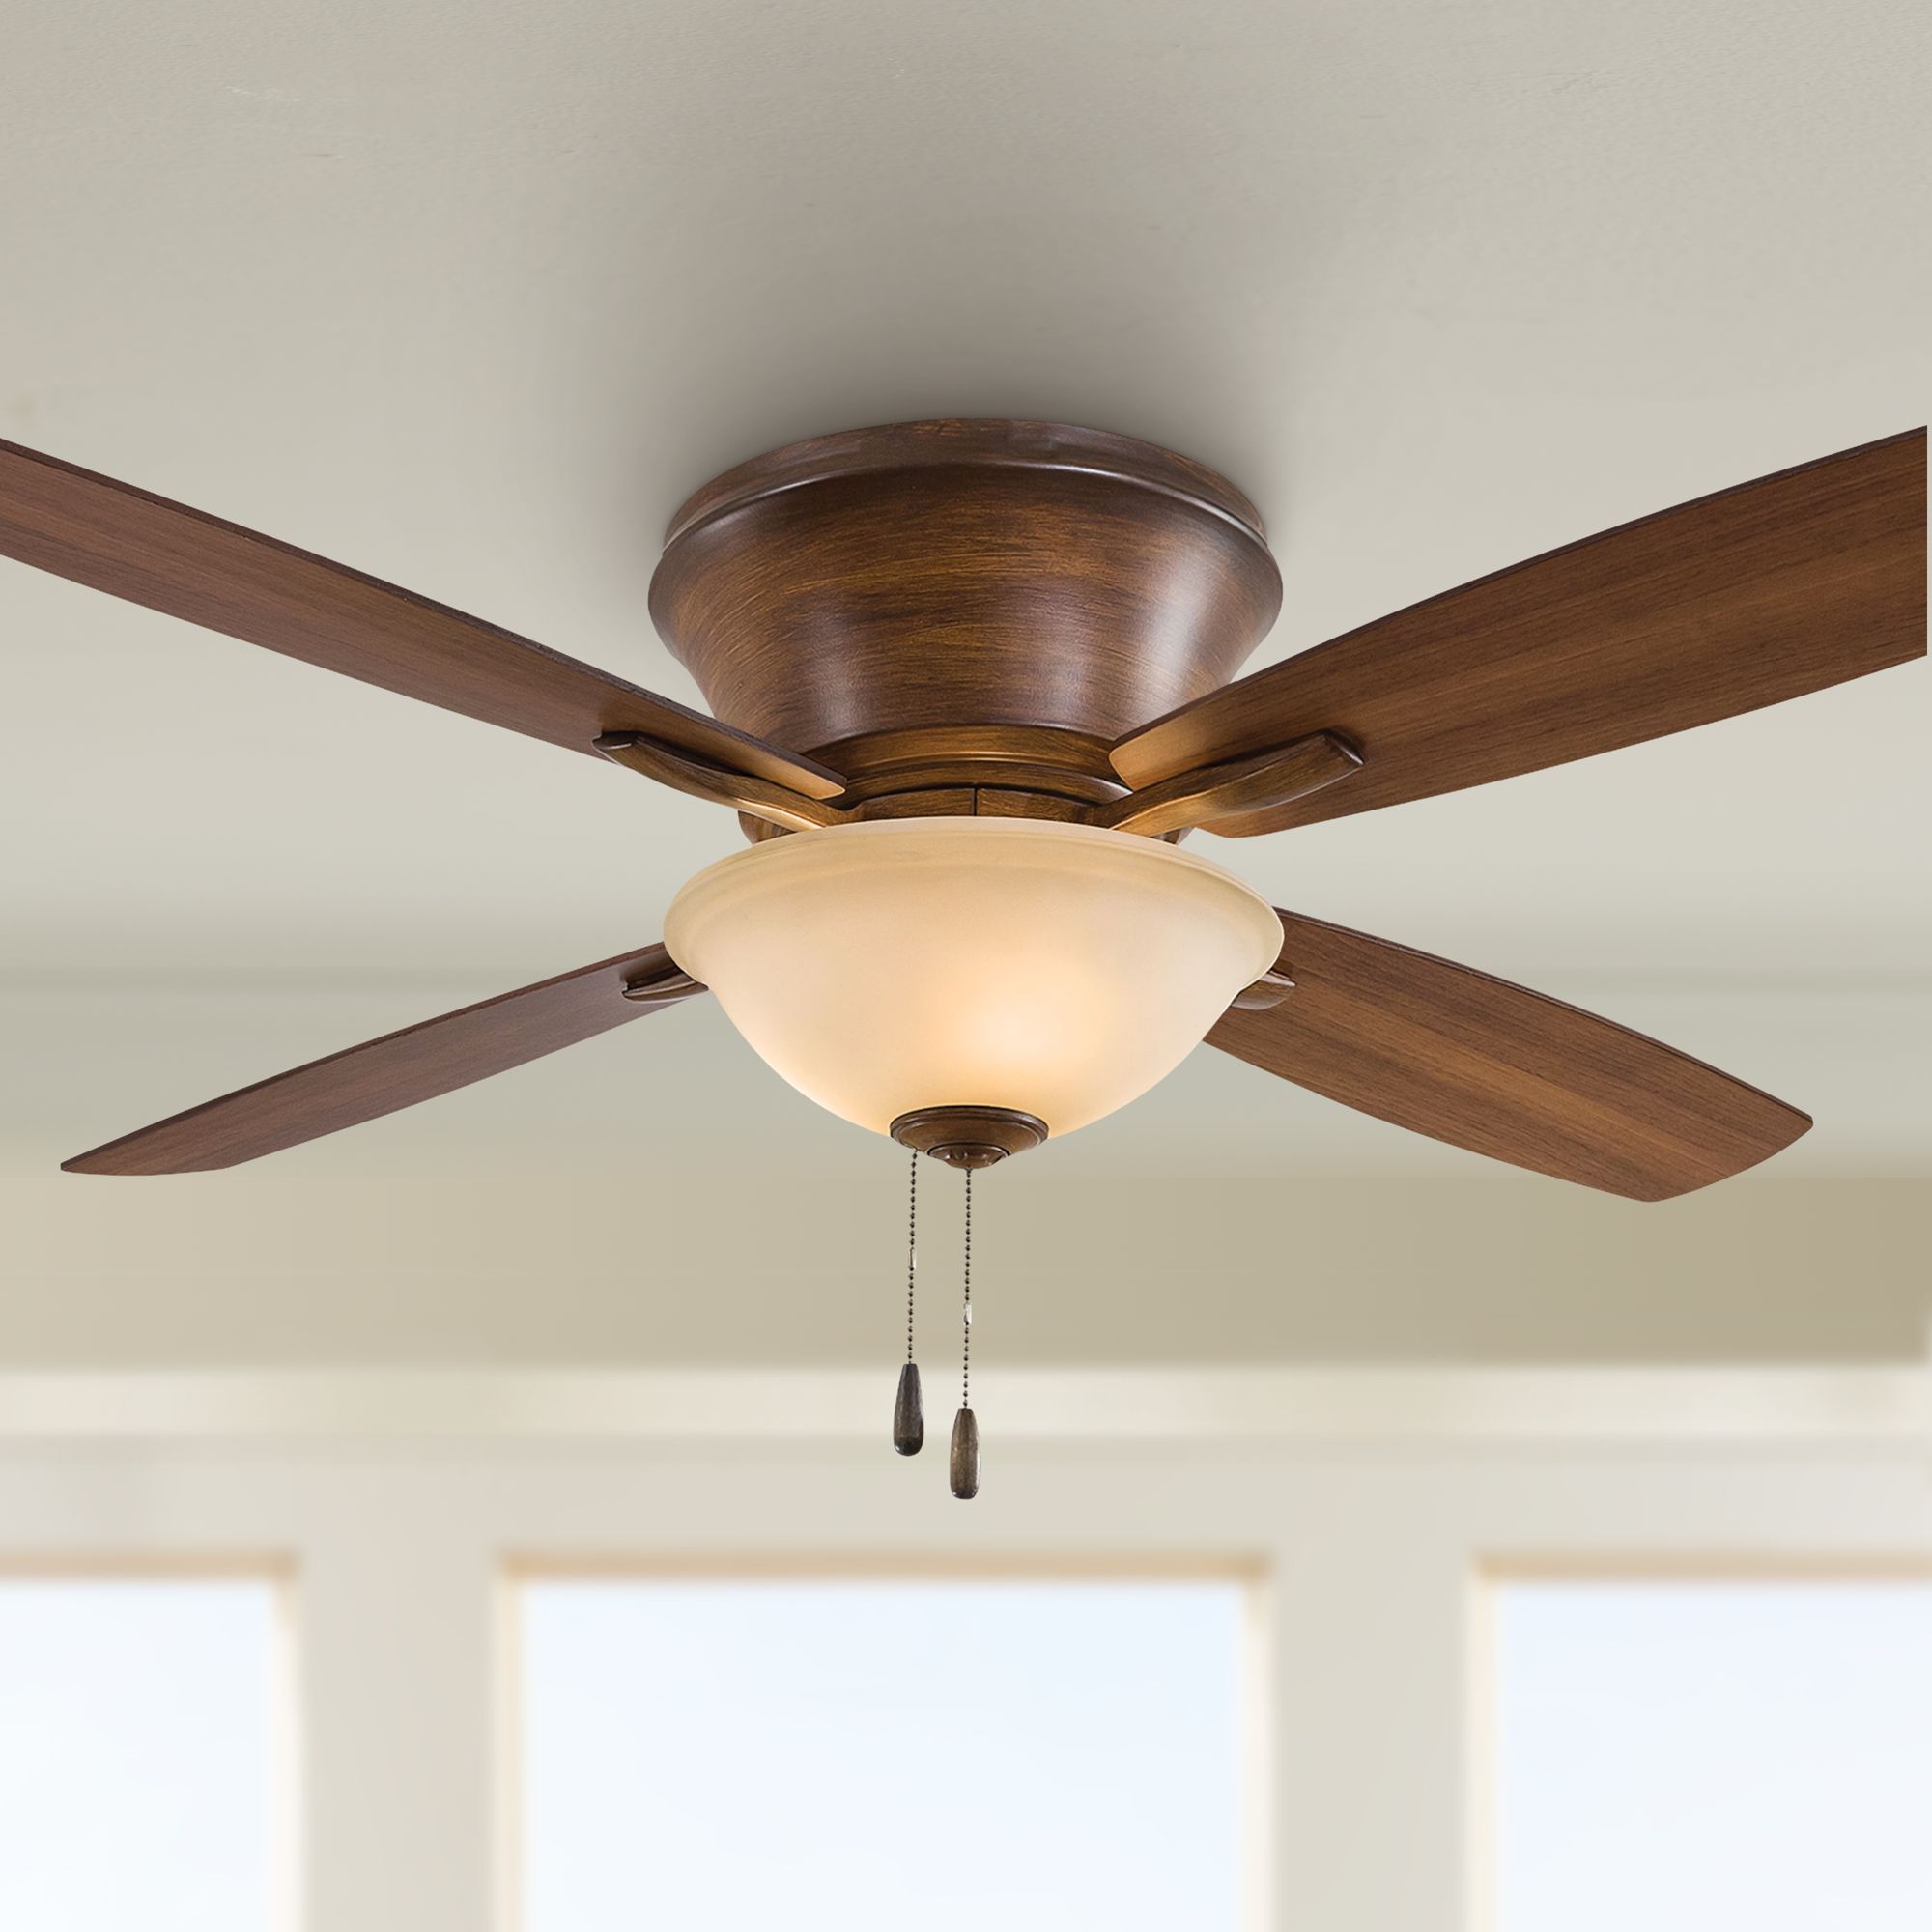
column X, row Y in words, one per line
column 964, row 1468
column 908, row 1408
column 966, row 1317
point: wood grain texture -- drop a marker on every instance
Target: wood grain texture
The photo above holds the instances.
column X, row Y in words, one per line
column 382, row 1076
column 962, row 574
column 111, row 537
column 1758, row 594
column 1452, row 1053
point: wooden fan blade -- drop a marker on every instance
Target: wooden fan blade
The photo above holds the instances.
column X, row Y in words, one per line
column 123, row 541
column 1449, row 1052
column 1743, row 599
column 382, row 1076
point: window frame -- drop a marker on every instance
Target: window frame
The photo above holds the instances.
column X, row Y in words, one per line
column 1372, row 1501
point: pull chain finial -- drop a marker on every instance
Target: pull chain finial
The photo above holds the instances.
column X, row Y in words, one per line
column 965, row 1460
column 908, row 1408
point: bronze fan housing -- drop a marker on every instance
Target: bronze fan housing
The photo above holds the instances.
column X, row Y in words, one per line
column 963, row 617
column 1031, row 620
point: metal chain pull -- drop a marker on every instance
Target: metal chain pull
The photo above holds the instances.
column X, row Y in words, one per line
column 909, row 1408
column 965, row 1460
column 912, row 1245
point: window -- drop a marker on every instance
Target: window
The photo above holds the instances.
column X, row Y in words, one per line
column 858, row 1754
column 142, row 1755
column 1680, row 1756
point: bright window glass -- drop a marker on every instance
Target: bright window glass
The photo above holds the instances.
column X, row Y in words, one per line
column 863, row 1756
column 141, row 1757
column 1679, row 1757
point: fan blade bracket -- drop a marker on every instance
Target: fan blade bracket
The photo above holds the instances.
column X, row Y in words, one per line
column 1268, row 992
column 720, row 784
column 1232, row 786
column 664, row 988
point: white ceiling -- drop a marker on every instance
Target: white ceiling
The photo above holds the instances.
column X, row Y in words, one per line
column 471, row 298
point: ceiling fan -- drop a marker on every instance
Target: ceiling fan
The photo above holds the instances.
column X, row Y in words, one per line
column 972, row 686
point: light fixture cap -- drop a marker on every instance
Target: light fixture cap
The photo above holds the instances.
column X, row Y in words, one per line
column 968, row 1136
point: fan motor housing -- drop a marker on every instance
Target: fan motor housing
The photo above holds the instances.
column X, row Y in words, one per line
column 961, row 616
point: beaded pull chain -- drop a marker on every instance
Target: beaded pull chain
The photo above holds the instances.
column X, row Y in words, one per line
column 964, row 1468
column 908, row 1408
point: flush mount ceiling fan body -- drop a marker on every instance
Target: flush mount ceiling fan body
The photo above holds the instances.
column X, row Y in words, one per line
column 949, row 659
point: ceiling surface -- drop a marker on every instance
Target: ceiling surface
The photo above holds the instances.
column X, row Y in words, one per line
column 471, row 298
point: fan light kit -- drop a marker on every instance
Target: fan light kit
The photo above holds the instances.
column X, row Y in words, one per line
column 972, row 682
column 899, row 970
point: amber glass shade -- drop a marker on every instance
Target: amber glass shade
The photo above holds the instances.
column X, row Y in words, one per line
column 1060, row 970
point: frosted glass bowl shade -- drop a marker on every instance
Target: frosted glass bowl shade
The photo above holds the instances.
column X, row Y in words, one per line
column 1060, row 970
